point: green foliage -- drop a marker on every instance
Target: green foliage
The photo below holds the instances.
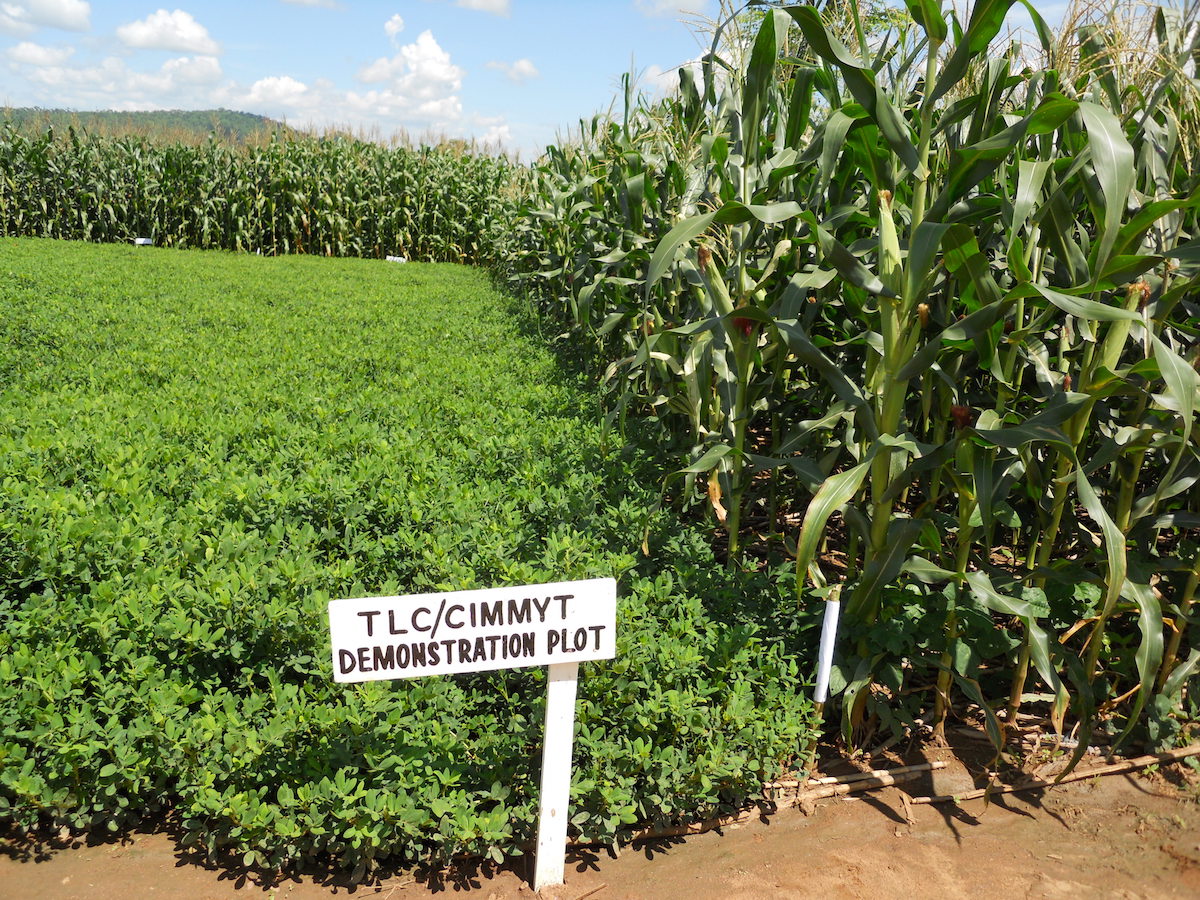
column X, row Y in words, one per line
column 201, row 449
column 916, row 316
column 332, row 196
column 158, row 124
column 940, row 299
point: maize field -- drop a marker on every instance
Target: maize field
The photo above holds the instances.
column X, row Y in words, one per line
column 331, row 196
column 915, row 313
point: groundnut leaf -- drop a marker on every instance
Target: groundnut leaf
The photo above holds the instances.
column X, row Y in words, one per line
column 880, row 571
column 1040, row 643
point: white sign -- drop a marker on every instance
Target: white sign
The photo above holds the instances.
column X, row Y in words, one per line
column 557, row 625
column 473, row 631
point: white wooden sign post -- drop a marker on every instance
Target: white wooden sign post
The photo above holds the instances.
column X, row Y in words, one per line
column 557, row 625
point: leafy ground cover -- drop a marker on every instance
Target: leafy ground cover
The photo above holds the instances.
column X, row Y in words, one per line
column 199, row 450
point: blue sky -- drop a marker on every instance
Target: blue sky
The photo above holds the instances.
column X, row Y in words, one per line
column 515, row 71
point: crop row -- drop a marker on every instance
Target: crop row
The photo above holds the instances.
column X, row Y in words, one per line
column 939, row 291
column 325, row 196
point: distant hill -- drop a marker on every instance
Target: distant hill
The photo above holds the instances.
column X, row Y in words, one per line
column 174, row 124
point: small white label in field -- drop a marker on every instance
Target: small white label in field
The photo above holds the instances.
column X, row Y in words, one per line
column 143, row 242
column 396, row 259
column 376, row 638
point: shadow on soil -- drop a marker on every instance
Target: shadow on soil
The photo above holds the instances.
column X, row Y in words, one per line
column 467, row 874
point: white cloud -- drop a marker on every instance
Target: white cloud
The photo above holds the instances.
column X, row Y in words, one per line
column 327, row 4
column 193, row 70
column 278, row 90
column 497, row 135
column 417, row 87
column 108, row 77
column 11, row 25
column 25, row 17
column 383, row 69
column 421, row 71
column 496, row 7
column 671, row 7
column 660, row 82
column 393, row 26
column 516, row 72
column 444, row 109
column 111, row 84
column 162, row 30
column 30, row 54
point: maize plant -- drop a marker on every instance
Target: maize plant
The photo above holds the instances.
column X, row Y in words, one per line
column 939, row 297
column 331, row 196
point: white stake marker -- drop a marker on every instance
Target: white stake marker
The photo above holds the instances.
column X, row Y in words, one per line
column 562, row 679
column 833, row 608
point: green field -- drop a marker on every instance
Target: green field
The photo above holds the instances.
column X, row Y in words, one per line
column 200, row 449
column 886, row 305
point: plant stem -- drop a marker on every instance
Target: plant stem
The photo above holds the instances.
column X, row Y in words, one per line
column 1179, row 624
column 1045, row 551
column 920, row 196
column 966, row 505
column 863, row 49
column 743, row 353
column 1017, row 687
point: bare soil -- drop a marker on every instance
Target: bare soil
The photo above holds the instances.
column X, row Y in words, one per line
column 1129, row 836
